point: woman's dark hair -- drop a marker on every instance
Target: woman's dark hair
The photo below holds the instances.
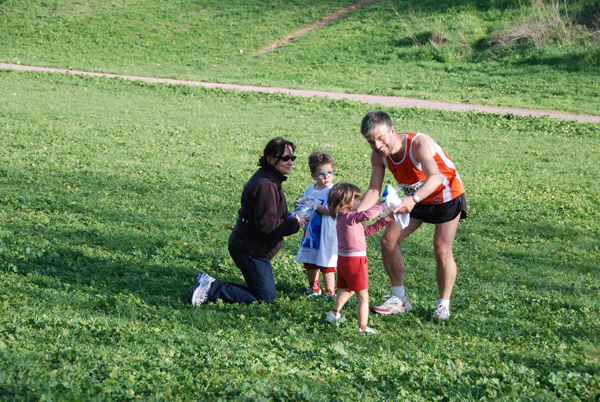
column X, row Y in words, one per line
column 275, row 148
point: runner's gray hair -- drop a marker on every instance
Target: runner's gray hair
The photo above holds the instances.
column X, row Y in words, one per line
column 374, row 119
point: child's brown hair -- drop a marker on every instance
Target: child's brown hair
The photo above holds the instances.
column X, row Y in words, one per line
column 317, row 159
column 341, row 197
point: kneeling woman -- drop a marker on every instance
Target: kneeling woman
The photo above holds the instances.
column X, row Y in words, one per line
column 258, row 234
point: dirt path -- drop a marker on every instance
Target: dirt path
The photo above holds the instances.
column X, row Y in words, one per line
column 322, row 22
column 373, row 99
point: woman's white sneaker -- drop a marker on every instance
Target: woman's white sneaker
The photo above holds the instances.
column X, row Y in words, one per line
column 201, row 289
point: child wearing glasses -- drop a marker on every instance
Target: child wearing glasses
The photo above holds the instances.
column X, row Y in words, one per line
column 343, row 202
column 318, row 247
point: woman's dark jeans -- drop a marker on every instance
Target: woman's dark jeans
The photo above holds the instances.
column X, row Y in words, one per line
column 258, row 274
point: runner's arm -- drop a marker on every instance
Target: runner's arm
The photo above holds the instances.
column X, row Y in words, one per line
column 371, row 196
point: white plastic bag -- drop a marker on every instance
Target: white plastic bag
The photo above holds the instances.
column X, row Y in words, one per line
column 391, row 202
column 304, row 208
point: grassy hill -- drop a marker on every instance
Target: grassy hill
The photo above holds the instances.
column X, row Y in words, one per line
column 535, row 54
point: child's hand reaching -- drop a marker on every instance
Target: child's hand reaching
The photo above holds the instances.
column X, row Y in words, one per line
column 389, row 218
column 304, row 201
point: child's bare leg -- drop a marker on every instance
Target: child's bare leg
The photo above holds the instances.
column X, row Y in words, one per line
column 362, row 296
column 329, row 279
column 313, row 276
column 341, row 299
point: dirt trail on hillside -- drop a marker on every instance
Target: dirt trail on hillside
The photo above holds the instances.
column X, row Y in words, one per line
column 322, row 22
column 372, row 99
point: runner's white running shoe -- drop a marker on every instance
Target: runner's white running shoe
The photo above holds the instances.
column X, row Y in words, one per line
column 393, row 305
column 367, row 331
column 441, row 313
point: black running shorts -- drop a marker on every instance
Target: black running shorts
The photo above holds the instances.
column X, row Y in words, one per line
column 441, row 213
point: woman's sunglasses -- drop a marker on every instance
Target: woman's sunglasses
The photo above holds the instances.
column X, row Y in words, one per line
column 287, row 158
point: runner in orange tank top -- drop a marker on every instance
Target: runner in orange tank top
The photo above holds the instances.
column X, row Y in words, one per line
column 434, row 194
column 409, row 174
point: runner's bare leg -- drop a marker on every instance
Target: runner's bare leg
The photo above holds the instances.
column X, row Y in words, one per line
column 443, row 241
column 393, row 261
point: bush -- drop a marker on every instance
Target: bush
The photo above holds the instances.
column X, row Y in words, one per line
column 549, row 21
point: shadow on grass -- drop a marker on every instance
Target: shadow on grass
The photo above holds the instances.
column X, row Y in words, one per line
column 91, row 286
column 155, row 284
column 407, row 42
column 110, row 281
column 552, row 364
column 443, row 6
column 111, row 234
column 574, row 61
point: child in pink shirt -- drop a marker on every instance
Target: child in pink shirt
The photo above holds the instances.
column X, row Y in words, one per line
column 343, row 202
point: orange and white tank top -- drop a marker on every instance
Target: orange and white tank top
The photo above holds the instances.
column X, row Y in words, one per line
column 410, row 177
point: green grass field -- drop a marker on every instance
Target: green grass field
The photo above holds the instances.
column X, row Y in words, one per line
column 115, row 194
column 444, row 49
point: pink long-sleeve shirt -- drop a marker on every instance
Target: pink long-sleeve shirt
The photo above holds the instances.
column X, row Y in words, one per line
column 352, row 232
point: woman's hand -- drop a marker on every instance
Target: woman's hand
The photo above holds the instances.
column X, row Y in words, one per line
column 301, row 221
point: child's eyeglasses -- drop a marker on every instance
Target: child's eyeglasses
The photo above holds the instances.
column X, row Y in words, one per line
column 287, row 158
column 324, row 175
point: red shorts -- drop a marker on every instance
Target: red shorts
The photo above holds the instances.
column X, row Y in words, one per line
column 352, row 273
column 324, row 270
